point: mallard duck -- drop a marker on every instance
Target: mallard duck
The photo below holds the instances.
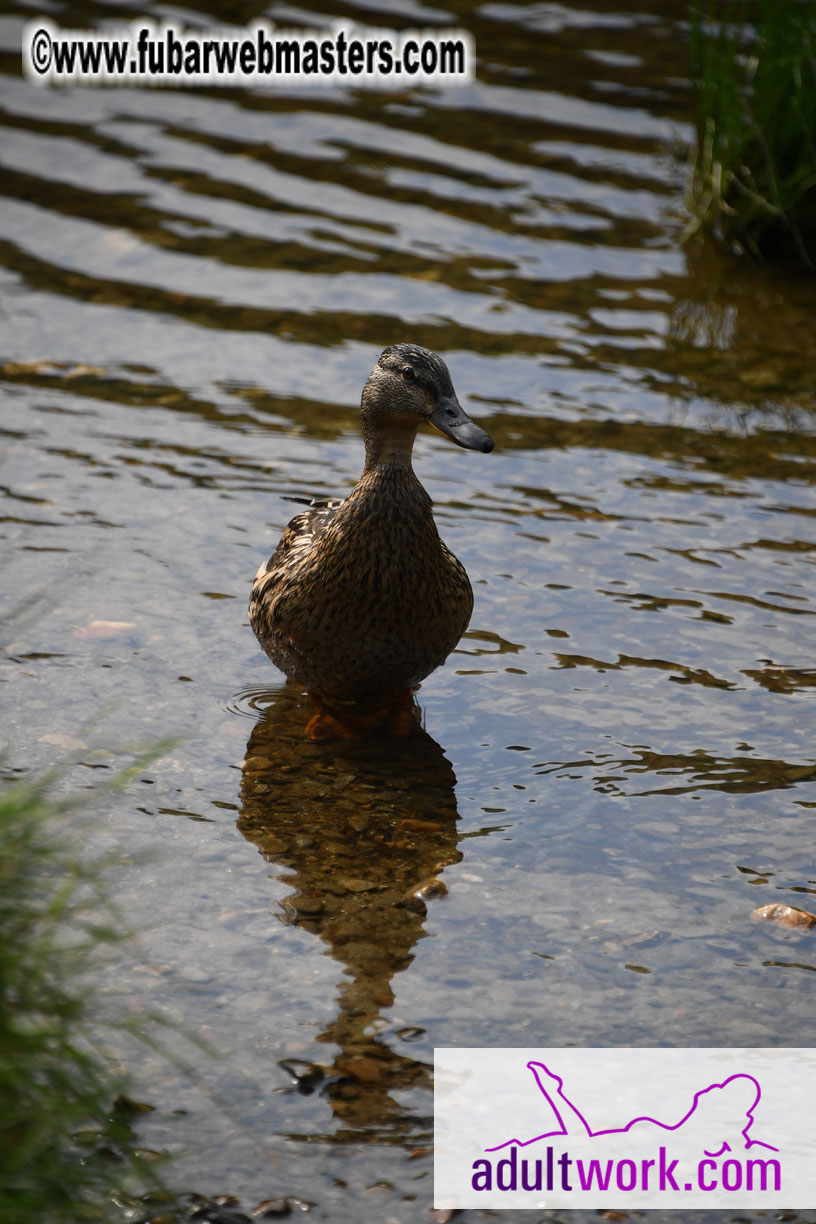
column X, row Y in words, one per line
column 361, row 599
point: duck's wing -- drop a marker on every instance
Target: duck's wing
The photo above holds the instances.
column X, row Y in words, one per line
column 300, row 535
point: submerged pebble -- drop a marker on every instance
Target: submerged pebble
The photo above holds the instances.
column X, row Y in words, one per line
column 272, row 1209
column 416, row 897
column 785, row 915
column 104, row 629
column 364, row 1070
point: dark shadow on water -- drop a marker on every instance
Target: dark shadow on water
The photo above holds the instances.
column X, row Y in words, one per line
column 364, row 831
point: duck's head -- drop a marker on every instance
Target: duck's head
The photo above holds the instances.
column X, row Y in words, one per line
column 407, row 386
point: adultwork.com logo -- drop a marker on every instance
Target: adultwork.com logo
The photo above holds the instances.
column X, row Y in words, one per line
column 645, row 1128
column 710, row 1118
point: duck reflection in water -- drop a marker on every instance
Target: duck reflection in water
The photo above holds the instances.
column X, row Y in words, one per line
column 364, row 831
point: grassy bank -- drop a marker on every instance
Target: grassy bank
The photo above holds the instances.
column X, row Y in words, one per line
column 65, row 1143
column 753, row 177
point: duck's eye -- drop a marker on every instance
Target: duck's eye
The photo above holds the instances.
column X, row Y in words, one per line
column 408, row 373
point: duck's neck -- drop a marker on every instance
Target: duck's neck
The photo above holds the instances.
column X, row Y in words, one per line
column 389, row 447
column 389, row 498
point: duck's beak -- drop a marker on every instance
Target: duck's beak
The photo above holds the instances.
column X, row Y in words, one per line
column 450, row 418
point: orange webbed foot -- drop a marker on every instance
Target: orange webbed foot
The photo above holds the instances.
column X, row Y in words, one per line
column 399, row 718
column 326, row 724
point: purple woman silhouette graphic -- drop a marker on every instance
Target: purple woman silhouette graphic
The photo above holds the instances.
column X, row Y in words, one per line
column 714, row 1117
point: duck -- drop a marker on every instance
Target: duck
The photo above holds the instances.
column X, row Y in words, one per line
column 362, row 599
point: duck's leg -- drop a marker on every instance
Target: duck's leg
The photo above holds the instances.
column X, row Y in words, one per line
column 327, row 724
column 405, row 714
column 400, row 717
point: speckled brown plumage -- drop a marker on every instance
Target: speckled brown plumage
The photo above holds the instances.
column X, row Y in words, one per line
column 362, row 599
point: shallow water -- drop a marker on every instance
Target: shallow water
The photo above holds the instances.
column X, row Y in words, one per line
column 617, row 764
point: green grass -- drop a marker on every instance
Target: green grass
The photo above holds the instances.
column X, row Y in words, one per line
column 64, row 1139
column 753, row 179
